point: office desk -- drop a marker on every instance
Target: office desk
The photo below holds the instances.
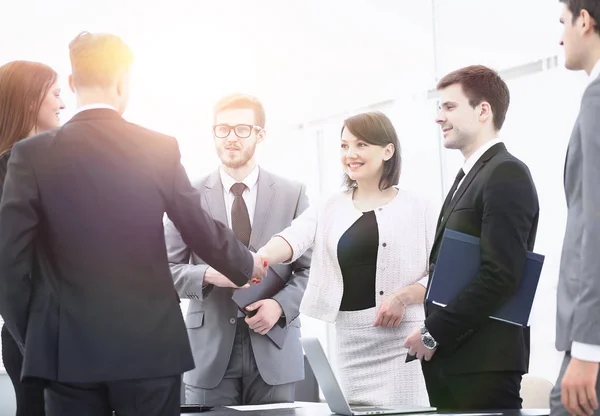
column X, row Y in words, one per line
column 321, row 409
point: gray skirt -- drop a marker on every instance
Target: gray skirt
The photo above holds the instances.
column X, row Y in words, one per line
column 371, row 362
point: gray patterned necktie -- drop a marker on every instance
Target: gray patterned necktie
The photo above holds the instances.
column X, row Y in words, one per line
column 240, row 219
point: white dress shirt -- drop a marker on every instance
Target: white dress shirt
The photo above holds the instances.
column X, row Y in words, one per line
column 595, row 71
column 579, row 350
column 249, row 195
column 470, row 162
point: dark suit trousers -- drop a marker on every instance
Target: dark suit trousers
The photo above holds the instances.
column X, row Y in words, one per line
column 150, row 397
column 474, row 391
column 30, row 396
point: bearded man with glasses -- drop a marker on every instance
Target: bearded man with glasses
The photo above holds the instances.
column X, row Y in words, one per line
column 236, row 364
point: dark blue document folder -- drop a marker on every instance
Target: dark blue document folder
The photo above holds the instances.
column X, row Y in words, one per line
column 458, row 263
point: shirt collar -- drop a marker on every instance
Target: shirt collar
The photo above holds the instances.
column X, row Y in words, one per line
column 595, row 71
column 94, row 107
column 470, row 162
column 227, row 181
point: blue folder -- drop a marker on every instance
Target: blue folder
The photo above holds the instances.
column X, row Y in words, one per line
column 458, row 263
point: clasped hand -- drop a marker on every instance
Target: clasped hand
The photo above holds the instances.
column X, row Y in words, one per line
column 415, row 346
column 268, row 312
column 213, row 277
column 390, row 312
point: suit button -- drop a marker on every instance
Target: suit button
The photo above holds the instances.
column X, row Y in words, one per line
column 384, row 244
column 381, row 292
column 232, row 321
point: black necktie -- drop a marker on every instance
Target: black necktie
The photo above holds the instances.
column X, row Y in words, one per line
column 240, row 220
column 459, row 176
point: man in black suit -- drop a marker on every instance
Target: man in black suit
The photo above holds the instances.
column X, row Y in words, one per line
column 85, row 285
column 469, row 360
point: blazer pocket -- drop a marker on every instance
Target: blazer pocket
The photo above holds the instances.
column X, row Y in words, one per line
column 462, row 209
column 194, row 320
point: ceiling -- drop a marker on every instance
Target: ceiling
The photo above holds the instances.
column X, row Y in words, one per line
column 305, row 60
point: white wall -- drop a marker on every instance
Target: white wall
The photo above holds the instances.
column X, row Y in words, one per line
column 314, row 62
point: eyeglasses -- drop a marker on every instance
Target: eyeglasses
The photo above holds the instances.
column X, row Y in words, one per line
column 242, row 131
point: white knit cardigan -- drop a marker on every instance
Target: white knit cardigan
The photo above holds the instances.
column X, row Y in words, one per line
column 406, row 232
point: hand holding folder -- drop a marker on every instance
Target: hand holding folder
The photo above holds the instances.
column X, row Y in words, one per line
column 268, row 287
column 458, row 264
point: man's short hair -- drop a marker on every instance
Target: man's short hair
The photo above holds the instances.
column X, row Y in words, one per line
column 241, row 101
column 592, row 7
column 480, row 83
column 98, row 59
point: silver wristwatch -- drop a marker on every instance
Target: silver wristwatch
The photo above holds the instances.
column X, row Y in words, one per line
column 427, row 339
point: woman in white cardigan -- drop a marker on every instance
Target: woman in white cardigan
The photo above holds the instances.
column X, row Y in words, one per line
column 369, row 265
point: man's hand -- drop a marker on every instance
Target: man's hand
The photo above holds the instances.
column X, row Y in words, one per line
column 579, row 387
column 390, row 312
column 213, row 277
column 269, row 312
column 260, row 268
column 416, row 347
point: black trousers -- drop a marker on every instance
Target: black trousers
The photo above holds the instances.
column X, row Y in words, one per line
column 149, row 397
column 474, row 391
column 30, row 397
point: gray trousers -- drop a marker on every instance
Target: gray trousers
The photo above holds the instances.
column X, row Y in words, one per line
column 556, row 407
column 242, row 383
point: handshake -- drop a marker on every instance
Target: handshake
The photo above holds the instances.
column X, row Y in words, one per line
column 215, row 278
column 260, row 267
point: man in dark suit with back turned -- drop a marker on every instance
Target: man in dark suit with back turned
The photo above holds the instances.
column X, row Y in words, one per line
column 85, row 285
column 469, row 360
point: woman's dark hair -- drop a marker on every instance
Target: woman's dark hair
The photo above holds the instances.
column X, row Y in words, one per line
column 23, row 87
column 376, row 128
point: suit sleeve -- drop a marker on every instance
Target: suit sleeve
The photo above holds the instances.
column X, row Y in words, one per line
column 19, row 221
column 586, row 322
column 208, row 238
column 188, row 278
column 291, row 295
column 509, row 210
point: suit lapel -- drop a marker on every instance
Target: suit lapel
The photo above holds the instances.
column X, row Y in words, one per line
column 214, row 199
column 491, row 152
column 264, row 200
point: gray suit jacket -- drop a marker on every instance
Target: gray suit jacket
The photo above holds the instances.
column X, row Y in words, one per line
column 211, row 317
column 578, row 307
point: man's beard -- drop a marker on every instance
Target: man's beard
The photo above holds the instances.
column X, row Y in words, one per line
column 240, row 160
